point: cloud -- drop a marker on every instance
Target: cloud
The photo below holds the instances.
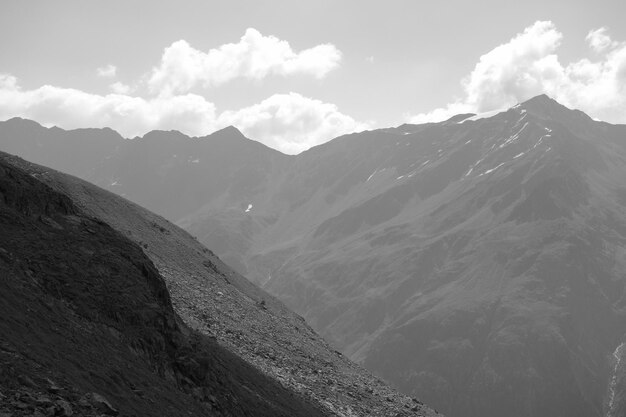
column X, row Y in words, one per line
column 527, row 65
column 598, row 39
column 291, row 122
column 254, row 57
column 120, row 88
column 131, row 116
column 107, row 71
column 287, row 122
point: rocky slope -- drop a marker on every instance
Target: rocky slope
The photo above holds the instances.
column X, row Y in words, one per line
column 88, row 327
column 477, row 262
column 217, row 302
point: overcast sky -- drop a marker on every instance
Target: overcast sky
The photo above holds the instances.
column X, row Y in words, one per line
column 293, row 74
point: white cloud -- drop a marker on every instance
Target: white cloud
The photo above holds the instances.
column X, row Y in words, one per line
column 8, row 82
column 107, row 71
column 70, row 108
column 291, row 122
column 120, row 88
column 287, row 122
column 254, row 57
column 598, row 39
column 527, row 66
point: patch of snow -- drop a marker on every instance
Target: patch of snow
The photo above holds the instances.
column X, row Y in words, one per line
column 521, row 119
column 489, row 171
column 468, row 142
column 114, row 183
column 617, row 356
column 195, row 161
column 425, row 162
column 484, row 115
column 370, row 177
column 518, row 155
column 474, row 166
column 539, row 141
column 412, row 173
column 249, row 208
column 400, row 177
column 514, row 137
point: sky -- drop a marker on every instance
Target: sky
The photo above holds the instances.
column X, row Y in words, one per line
column 295, row 74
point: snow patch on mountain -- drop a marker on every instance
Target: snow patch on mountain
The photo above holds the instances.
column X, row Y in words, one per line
column 485, row 115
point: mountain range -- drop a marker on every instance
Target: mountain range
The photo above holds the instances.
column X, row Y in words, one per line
column 477, row 263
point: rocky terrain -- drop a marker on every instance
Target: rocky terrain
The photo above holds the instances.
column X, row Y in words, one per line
column 88, row 327
column 287, row 368
column 475, row 263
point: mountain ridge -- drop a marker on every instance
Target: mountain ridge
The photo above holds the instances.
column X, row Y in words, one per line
column 430, row 253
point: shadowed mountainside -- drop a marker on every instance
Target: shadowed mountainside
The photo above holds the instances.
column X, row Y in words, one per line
column 84, row 311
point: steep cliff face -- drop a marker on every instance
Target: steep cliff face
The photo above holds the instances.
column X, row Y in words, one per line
column 88, row 326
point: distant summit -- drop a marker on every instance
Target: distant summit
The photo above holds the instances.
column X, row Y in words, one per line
column 230, row 130
column 545, row 107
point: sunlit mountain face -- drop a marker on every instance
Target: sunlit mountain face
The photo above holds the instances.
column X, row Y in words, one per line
column 477, row 263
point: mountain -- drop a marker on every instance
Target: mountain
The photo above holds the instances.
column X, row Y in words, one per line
column 476, row 263
column 88, row 326
column 106, row 297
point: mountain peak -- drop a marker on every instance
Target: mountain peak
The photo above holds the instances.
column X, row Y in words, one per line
column 230, row 130
column 541, row 102
column 20, row 121
column 545, row 107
